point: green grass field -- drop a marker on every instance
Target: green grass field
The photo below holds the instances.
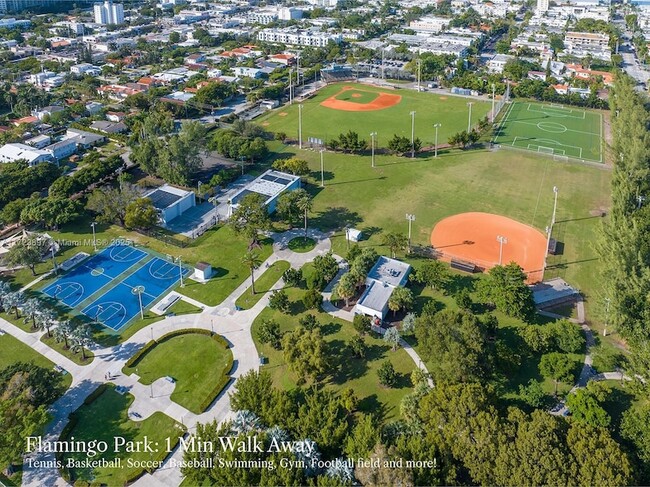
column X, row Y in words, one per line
column 325, row 123
column 262, row 284
column 13, row 351
column 107, row 418
column 511, row 183
column 194, row 360
column 552, row 129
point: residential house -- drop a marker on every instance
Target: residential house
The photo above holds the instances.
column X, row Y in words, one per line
column 16, row 152
column 109, row 127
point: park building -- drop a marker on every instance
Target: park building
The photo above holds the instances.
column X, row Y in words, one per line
column 171, row 202
column 270, row 185
column 386, row 275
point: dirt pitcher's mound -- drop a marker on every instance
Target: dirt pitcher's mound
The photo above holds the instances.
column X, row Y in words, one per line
column 472, row 237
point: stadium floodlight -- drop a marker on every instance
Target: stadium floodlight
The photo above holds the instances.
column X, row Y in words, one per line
column 412, row 133
column 469, row 118
column 502, row 240
column 372, row 148
column 607, row 301
column 411, row 219
column 493, row 95
column 139, row 290
column 435, row 147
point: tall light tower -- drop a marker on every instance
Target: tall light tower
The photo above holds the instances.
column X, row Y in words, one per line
column 93, row 224
column 300, row 126
column 555, row 192
column 419, row 72
column 413, row 134
column 372, row 147
column 469, row 118
column 607, row 301
column 322, row 173
column 502, row 240
column 411, row 219
column 435, row 147
column 493, row 94
column 290, row 86
column 549, row 229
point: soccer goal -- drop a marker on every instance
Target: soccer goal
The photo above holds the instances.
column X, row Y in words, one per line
column 545, row 150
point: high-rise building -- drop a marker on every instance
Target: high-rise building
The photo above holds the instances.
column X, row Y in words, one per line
column 542, row 6
column 109, row 13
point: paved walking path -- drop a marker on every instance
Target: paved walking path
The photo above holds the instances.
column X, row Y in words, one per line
column 233, row 325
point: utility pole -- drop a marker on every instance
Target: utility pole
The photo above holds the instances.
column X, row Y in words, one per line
column 372, row 147
column 290, row 86
column 502, row 240
column 435, row 147
column 549, row 229
column 300, row 126
column 469, row 118
column 419, row 73
column 411, row 219
column 322, row 174
column 94, row 236
column 413, row 134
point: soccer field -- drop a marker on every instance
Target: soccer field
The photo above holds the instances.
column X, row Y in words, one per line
column 552, row 129
column 340, row 107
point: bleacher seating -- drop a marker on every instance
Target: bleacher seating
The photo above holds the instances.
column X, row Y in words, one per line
column 463, row 266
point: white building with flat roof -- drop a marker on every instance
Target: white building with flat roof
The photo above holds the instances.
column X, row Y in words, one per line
column 386, row 275
column 271, row 184
column 171, row 202
column 16, row 152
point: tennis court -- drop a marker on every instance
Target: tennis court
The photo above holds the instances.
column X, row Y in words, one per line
column 557, row 130
column 108, row 287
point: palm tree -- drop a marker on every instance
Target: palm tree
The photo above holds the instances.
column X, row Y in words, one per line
column 5, row 289
column 346, row 288
column 14, row 300
column 252, row 261
column 63, row 331
column 46, row 319
column 395, row 241
column 81, row 339
column 305, row 204
column 30, row 310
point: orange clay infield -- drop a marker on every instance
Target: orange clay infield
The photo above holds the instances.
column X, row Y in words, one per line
column 383, row 100
column 472, row 237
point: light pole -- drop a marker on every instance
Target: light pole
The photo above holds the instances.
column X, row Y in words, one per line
column 290, row 86
column 179, row 261
column 493, row 92
column 639, row 199
column 198, row 189
column 94, row 236
column 138, row 290
column 411, row 219
column 502, row 240
column 372, row 147
column 347, row 236
column 413, row 134
column 300, row 126
column 53, row 259
column 435, row 147
column 607, row 301
column 419, row 73
column 469, row 118
column 322, row 174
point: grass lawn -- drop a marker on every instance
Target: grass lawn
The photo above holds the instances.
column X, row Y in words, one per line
column 107, row 418
column 13, row 350
column 194, row 360
column 263, row 284
column 181, row 307
column 517, row 185
column 302, row 244
column 345, row 371
column 326, row 123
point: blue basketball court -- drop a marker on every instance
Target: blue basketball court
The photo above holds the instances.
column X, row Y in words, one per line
column 139, row 276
